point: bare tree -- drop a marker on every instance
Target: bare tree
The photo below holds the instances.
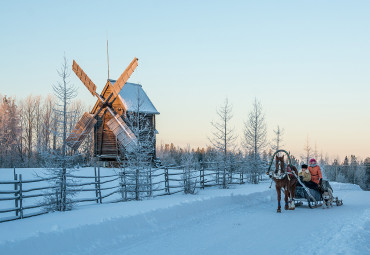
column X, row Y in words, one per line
column 38, row 122
column 10, row 132
column 140, row 155
column 189, row 176
column 28, row 123
column 277, row 141
column 255, row 142
column 58, row 161
column 223, row 137
column 315, row 152
column 308, row 151
column 48, row 106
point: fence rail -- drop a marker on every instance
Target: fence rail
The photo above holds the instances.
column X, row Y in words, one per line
column 131, row 185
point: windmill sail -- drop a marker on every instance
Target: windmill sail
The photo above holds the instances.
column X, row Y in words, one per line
column 81, row 130
column 118, row 85
column 124, row 135
column 84, row 78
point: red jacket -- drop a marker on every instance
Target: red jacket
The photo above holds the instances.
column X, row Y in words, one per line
column 315, row 173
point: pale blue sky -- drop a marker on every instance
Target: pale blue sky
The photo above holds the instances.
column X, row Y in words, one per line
column 308, row 62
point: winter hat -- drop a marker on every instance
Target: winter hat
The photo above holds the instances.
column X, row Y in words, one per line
column 312, row 161
column 304, row 166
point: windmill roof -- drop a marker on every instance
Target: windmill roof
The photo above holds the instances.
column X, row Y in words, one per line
column 133, row 97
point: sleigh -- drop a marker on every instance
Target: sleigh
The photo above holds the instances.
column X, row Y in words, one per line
column 306, row 195
column 312, row 197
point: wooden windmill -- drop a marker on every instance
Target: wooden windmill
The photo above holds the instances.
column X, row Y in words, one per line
column 112, row 129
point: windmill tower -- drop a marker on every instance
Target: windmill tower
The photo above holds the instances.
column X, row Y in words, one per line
column 111, row 133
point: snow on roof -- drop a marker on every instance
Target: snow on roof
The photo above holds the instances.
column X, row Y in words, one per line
column 133, row 97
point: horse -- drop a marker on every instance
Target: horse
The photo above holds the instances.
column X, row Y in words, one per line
column 287, row 181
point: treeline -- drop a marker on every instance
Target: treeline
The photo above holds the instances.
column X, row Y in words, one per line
column 235, row 161
column 252, row 151
column 351, row 170
column 29, row 130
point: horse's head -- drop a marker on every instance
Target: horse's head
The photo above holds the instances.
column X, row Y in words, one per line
column 279, row 165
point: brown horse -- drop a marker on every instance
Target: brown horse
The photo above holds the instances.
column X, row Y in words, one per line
column 285, row 180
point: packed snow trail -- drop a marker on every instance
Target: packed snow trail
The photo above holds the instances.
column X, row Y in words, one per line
column 235, row 221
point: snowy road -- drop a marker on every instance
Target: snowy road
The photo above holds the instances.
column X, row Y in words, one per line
column 238, row 221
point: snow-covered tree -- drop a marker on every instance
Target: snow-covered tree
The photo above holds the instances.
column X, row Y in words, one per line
column 189, row 178
column 308, row 154
column 58, row 162
column 48, row 106
column 10, row 131
column 140, row 156
column 223, row 136
column 277, row 141
column 255, row 141
column 28, row 125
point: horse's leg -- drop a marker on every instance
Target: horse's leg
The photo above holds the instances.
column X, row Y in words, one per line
column 286, row 195
column 292, row 194
column 278, row 190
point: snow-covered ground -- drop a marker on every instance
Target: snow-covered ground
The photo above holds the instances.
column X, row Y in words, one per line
column 239, row 220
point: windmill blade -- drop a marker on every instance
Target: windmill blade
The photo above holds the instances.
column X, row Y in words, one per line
column 118, row 85
column 123, row 133
column 84, row 78
column 81, row 130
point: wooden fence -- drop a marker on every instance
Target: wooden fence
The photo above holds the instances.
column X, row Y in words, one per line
column 126, row 184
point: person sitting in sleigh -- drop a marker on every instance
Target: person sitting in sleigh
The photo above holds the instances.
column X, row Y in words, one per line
column 306, row 175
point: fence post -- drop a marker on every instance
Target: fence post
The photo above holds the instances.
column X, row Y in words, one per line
column 217, row 174
column 184, row 177
column 16, row 192
column 200, row 178
column 125, row 185
column 201, row 169
column 121, row 182
column 96, row 185
column 57, row 199
column 151, row 181
column 20, row 197
column 64, row 189
column 167, row 181
column 137, row 195
column 224, row 177
column 204, row 168
column 100, row 199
